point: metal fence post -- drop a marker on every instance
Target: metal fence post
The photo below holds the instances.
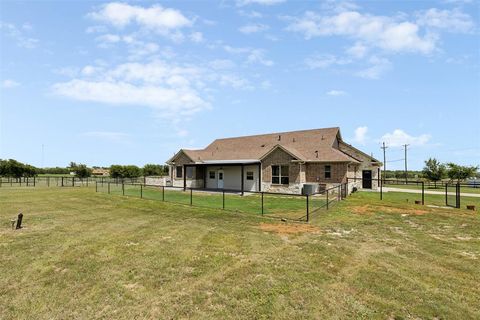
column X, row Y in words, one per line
column 446, row 194
column 34, row 181
column 458, row 195
column 423, row 193
column 48, row 181
column 109, row 188
column 262, row 203
column 327, row 199
column 223, row 199
column 308, row 217
column 191, row 196
column 141, row 191
column 96, row 186
column 163, row 193
column 123, row 188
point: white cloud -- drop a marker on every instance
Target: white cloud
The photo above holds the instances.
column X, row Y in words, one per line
column 358, row 50
column 19, row 36
column 89, row 70
column 107, row 136
column 361, row 135
column 170, row 90
column 108, row 38
column 155, row 17
column 251, row 14
column 196, row 37
column 96, row 29
column 450, row 20
column 321, row 61
column 336, row 93
column 261, row 2
column 253, row 28
column 377, row 31
column 9, row 83
column 252, row 55
column 378, row 67
column 220, row 64
column 399, row 137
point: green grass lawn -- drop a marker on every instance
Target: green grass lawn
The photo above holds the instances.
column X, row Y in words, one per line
column 85, row 255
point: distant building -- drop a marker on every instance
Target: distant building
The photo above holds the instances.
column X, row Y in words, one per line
column 100, row 172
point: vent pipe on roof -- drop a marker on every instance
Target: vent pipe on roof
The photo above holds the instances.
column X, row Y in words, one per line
column 316, row 152
column 293, row 140
column 279, row 137
column 323, row 137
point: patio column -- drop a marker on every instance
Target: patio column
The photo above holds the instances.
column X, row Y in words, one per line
column 243, row 169
column 204, row 177
column 184, row 177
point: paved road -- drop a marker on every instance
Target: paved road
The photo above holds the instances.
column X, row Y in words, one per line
column 463, row 194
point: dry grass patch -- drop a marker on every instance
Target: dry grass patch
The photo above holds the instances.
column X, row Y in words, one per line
column 288, row 228
column 369, row 209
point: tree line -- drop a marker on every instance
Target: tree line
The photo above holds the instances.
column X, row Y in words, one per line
column 16, row 169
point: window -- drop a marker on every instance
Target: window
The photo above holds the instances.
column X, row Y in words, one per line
column 189, row 172
column 211, row 174
column 328, row 172
column 280, row 175
column 179, row 171
column 249, row 175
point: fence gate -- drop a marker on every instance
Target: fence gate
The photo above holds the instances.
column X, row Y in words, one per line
column 452, row 195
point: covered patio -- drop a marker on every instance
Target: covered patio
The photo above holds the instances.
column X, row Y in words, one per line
column 234, row 175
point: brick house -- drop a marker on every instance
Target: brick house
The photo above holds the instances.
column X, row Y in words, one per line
column 276, row 162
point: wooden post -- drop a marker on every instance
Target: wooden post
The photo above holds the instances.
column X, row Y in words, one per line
column 123, row 188
column 223, row 199
column 19, row 221
column 163, row 193
column 191, row 196
column 109, row 188
column 96, row 186
column 141, row 191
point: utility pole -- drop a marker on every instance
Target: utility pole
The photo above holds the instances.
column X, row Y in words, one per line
column 384, row 147
column 406, row 170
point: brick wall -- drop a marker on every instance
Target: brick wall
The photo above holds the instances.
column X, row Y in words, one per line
column 315, row 173
column 280, row 157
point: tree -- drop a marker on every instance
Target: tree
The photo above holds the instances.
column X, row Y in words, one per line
column 82, row 171
column 458, row 172
column 13, row 168
column 434, row 170
column 118, row 171
column 153, row 170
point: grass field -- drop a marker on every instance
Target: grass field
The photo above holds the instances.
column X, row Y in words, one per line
column 92, row 255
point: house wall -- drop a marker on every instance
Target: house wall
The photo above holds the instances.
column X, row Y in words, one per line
column 196, row 182
column 232, row 177
column 280, row 157
column 355, row 170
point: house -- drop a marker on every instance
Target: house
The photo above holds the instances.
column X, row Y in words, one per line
column 276, row 162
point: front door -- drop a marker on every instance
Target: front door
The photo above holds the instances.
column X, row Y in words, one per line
column 367, row 179
column 220, row 179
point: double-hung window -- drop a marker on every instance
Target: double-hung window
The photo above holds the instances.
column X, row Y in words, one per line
column 249, row 175
column 328, row 172
column 189, row 172
column 211, row 174
column 179, row 171
column 280, row 175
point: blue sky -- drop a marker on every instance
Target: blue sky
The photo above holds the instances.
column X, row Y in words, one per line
column 131, row 82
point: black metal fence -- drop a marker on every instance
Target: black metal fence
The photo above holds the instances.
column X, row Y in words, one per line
column 419, row 192
column 62, row 181
column 288, row 206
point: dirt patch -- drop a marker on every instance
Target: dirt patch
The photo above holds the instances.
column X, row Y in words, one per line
column 369, row 209
column 288, row 228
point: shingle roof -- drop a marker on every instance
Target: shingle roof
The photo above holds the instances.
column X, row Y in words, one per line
column 303, row 144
